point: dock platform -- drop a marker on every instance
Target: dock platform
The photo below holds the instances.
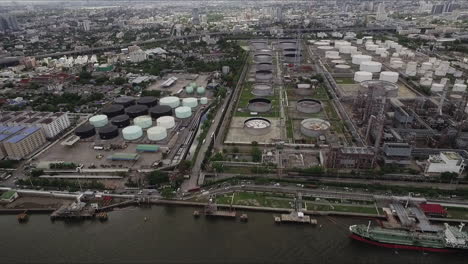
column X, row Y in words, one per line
column 296, row 218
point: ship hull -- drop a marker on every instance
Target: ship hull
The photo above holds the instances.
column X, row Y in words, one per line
column 399, row 246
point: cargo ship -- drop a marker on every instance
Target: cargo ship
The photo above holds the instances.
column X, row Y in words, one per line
column 448, row 239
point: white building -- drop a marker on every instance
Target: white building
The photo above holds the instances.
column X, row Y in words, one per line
column 137, row 56
column 381, row 14
column 445, row 162
column 86, row 25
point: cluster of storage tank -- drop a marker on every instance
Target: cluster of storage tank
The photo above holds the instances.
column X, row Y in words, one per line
column 142, row 112
column 194, row 88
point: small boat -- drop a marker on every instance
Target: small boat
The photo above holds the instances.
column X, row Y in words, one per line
column 23, row 217
column 196, row 214
column 244, row 218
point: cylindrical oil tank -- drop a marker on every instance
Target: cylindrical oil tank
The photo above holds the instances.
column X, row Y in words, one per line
column 125, row 101
column 263, row 67
column 257, row 126
column 149, row 101
column 425, row 81
column 200, row 90
column 121, row 121
column 113, row 110
column 108, row 132
column 171, row 101
column 166, row 121
column 143, row 121
column 309, row 106
column 370, row 66
column 262, row 90
column 358, row 59
column 260, row 105
column 132, row 132
column 98, row 120
column 136, row 110
column 426, row 66
column 183, row 112
column 437, row 87
column 459, row 87
column 381, row 88
column 331, row 53
column 389, row 76
column 189, row 89
column 157, row 133
column 160, row 110
column 342, row 68
column 190, row 102
column 314, row 127
column 396, row 64
column 85, row 131
column 361, row 76
column 259, row 58
column 204, row 100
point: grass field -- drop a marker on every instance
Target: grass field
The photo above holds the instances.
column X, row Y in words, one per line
column 247, row 95
column 344, row 81
column 341, row 208
column 254, row 199
column 457, row 213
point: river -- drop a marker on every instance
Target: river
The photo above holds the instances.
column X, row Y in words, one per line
column 171, row 234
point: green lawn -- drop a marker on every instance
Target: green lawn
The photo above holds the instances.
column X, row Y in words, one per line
column 457, row 213
column 254, row 199
column 341, row 208
column 344, row 81
column 247, row 95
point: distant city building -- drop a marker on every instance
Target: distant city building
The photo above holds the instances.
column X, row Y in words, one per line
column 86, row 25
column 8, row 22
column 28, row 62
column 195, row 16
column 381, row 14
column 437, row 9
column 279, row 14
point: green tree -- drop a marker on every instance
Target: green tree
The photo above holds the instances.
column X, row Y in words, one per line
column 157, row 177
column 37, row 172
column 256, row 154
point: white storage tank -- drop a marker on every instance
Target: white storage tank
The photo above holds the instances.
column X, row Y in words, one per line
column 370, row 66
column 331, row 54
column 157, row 133
column 183, row 112
column 166, row 121
column 459, row 87
column 132, row 132
column 371, row 47
column 204, row 100
column 358, row 59
column 379, row 51
column 189, row 89
column 389, row 76
column 342, row 67
column 359, row 41
column 190, row 102
column 426, row 66
column 143, row 121
column 361, row 76
column 98, row 120
column 425, row 81
column 437, row 87
column 411, row 68
column 171, row 101
column 396, row 64
column 200, row 90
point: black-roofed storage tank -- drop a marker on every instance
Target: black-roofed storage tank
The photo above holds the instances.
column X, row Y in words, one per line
column 108, row 132
column 136, row 110
column 113, row 110
column 85, row 131
column 160, row 110
column 126, row 101
column 121, row 121
column 149, row 101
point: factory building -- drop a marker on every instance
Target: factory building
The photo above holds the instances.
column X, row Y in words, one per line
column 17, row 142
column 397, row 154
column 51, row 123
column 351, row 158
column 445, row 162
